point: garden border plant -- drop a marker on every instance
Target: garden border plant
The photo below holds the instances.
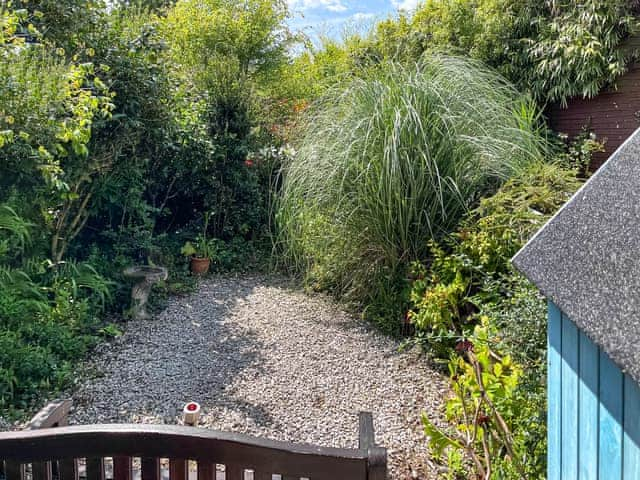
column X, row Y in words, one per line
column 390, row 160
column 487, row 323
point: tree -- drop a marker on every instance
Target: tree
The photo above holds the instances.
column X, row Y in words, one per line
column 251, row 32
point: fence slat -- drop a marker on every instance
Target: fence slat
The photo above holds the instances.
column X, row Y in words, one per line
column 14, row 470
column 178, row 469
column 234, row 472
column 206, row 471
column 122, row 468
column 68, row 469
column 150, row 468
column 41, row 471
column 95, row 469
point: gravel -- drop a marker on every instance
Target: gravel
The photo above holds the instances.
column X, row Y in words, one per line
column 266, row 359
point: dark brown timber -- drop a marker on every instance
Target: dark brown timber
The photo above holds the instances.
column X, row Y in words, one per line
column 69, row 469
column 178, row 469
column 122, row 468
column 153, row 442
column 95, row 467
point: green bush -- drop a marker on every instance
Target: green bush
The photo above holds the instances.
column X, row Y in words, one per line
column 43, row 332
column 47, row 315
column 472, row 309
column 555, row 50
column 498, row 405
column 391, row 160
column 467, row 267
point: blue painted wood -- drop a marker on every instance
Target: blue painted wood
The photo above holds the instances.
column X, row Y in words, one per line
column 554, row 392
column 569, row 399
column 610, row 431
column 631, row 442
column 588, row 406
column 593, row 409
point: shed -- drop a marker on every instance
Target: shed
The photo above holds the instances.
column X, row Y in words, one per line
column 586, row 260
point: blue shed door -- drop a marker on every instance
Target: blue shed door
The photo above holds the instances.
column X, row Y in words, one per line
column 593, row 409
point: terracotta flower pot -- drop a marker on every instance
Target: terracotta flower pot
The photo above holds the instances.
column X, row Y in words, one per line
column 200, row 266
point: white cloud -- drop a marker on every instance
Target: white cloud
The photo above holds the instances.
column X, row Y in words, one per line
column 407, row 5
column 331, row 5
column 361, row 16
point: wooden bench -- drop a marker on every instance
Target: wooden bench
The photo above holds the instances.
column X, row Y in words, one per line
column 62, row 453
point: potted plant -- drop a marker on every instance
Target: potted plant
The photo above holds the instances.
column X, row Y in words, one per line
column 201, row 251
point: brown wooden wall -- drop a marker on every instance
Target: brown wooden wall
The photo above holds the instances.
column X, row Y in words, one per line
column 613, row 115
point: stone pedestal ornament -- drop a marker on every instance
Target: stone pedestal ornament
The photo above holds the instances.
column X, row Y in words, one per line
column 145, row 277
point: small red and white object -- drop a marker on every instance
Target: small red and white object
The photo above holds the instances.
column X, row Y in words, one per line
column 191, row 413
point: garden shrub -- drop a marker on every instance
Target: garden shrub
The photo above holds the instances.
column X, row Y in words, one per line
column 391, row 160
column 47, row 316
column 554, row 50
column 122, row 125
column 223, row 53
column 40, row 340
column 471, row 309
column 464, row 269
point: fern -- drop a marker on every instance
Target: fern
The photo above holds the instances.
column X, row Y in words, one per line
column 83, row 276
column 18, row 285
column 14, row 225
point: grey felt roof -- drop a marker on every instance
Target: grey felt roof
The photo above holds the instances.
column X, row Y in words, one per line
column 586, row 259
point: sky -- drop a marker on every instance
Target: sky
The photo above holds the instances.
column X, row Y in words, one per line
column 331, row 17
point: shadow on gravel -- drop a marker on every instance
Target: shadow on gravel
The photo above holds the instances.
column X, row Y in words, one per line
column 189, row 352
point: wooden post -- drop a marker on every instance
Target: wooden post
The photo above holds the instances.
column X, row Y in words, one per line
column 178, row 469
column 95, row 468
column 122, row 468
column 376, row 456
column 150, row 468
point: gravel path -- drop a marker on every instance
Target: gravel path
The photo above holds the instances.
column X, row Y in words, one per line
column 265, row 359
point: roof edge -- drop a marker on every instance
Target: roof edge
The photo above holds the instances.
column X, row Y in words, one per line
column 601, row 171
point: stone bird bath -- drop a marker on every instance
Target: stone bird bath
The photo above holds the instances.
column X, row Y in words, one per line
column 145, row 277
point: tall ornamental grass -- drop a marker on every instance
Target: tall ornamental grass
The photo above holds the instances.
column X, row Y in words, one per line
column 393, row 160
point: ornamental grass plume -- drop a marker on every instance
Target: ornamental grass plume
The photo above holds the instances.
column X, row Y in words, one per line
column 392, row 160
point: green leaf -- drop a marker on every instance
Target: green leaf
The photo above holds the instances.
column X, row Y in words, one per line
column 438, row 440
